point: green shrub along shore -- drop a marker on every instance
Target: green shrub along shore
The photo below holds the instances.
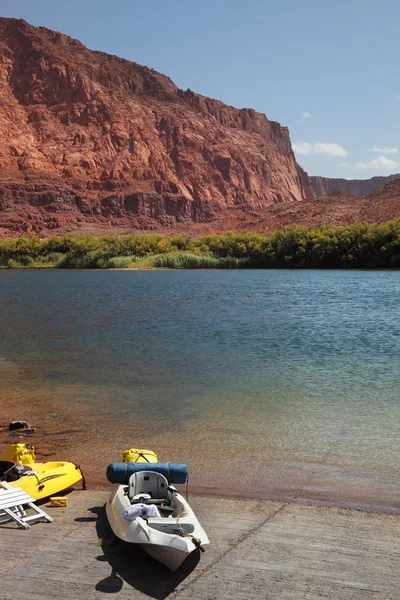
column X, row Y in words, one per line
column 359, row 245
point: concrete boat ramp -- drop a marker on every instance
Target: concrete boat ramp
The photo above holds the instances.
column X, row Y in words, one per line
column 258, row 549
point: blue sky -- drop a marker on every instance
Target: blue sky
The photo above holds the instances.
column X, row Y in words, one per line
column 327, row 70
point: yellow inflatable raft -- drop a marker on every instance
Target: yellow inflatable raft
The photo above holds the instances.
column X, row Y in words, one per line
column 39, row 480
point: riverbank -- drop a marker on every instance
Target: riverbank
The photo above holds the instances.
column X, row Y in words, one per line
column 315, row 489
column 359, row 245
column 257, row 550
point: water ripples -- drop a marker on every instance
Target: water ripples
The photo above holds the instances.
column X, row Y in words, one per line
column 269, row 383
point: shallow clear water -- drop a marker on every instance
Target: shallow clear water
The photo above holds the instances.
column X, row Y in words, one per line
column 274, row 384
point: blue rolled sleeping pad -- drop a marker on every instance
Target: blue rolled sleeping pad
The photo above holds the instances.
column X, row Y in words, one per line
column 120, row 472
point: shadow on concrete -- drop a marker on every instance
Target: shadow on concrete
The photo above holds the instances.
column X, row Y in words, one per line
column 85, row 519
column 130, row 564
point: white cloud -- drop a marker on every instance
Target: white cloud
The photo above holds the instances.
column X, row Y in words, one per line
column 343, row 165
column 305, row 116
column 384, row 150
column 380, row 164
column 319, row 148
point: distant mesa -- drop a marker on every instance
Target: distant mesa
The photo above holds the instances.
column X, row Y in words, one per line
column 359, row 187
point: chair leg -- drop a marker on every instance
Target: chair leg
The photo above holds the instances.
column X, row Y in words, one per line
column 16, row 518
column 40, row 512
column 19, row 510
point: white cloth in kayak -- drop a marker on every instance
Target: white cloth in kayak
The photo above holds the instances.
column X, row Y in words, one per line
column 140, row 510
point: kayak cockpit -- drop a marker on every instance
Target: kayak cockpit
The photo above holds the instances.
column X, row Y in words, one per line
column 150, row 489
column 171, row 526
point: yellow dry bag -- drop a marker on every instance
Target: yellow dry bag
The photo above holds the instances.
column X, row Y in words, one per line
column 134, row 455
column 20, row 452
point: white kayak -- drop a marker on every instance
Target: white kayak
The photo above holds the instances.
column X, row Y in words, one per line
column 171, row 535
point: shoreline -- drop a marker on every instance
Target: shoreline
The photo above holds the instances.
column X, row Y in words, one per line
column 385, row 269
column 300, row 497
column 358, row 506
column 58, row 443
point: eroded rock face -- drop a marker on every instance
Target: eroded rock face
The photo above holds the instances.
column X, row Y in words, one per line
column 359, row 187
column 99, row 126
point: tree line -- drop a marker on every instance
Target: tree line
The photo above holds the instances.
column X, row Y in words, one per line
column 358, row 245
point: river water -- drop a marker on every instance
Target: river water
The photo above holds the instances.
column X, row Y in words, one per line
column 268, row 383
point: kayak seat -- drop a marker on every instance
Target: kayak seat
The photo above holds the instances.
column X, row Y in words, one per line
column 151, row 483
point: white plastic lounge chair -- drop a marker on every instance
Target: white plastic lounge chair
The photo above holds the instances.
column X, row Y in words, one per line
column 12, row 502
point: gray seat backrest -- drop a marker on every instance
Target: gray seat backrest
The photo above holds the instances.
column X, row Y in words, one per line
column 148, row 482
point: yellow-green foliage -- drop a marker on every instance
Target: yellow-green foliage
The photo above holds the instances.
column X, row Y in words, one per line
column 359, row 245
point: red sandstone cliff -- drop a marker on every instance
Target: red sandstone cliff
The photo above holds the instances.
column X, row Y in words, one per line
column 85, row 136
column 358, row 187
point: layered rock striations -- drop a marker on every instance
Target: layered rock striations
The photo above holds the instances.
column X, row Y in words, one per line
column 87, row 137
column 359, row 187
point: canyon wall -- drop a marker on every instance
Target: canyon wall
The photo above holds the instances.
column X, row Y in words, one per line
column 89, row 136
